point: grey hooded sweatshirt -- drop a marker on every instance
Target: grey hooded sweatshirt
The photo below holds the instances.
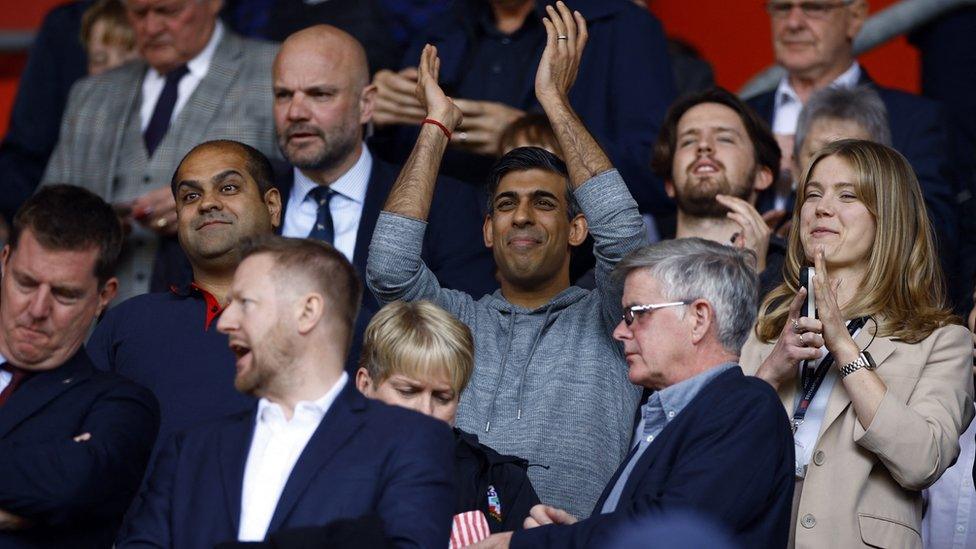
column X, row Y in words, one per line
column 549, row 384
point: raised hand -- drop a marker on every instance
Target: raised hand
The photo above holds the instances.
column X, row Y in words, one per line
column 835, row 335
column 799, row 340
column 428, row 92
column 753, row 232
column 565, row 40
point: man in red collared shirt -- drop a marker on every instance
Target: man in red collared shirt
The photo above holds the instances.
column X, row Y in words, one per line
column 168, row 341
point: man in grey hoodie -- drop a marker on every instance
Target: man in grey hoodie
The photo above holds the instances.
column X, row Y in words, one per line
column 550, row 384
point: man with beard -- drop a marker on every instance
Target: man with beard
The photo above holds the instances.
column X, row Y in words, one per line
column 314, row 449
column 167, row 341
column 322, row 101
column 716, row 155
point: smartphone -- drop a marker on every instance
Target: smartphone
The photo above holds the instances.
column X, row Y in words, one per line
column 809, row 308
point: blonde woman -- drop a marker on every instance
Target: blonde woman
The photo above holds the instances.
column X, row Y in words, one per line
column 418, row 356
column 879, row 384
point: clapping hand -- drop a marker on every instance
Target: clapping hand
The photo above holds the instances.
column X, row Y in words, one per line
column 565, row 40
column 395, row 100
column 428, row 92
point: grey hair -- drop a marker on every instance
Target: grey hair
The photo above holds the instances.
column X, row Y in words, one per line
column 694, row 268
column 861, row 105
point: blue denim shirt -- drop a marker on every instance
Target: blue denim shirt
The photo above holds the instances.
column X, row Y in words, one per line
column 661, row 407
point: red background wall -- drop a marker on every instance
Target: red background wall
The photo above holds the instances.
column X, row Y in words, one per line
column 736, row 40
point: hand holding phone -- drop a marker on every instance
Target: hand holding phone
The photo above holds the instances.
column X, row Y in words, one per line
column 806, row 280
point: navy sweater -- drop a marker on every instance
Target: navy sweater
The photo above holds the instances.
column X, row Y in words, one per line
column 163, row 342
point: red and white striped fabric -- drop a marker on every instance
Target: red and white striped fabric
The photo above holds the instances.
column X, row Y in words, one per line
column 468, row 528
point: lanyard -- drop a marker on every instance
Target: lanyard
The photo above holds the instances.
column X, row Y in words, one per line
column 811, row 379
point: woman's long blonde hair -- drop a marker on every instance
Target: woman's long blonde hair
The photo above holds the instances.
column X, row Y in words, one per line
column 903, row 288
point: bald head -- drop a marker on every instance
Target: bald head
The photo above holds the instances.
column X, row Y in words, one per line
column 330, row 46
column 323, row 98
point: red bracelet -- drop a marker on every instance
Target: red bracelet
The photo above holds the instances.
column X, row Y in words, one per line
column 443, row 128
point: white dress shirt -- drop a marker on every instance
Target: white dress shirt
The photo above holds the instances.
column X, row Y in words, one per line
column 786, row 113
column 275, row 448
column 152, row 84
column 950, row 516
column 346, row 205
column 5, row 376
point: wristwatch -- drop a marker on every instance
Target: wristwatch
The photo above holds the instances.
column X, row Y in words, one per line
column 863, row 360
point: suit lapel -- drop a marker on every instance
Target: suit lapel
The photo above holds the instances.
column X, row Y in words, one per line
column 210, row 94
column 881, row 349
column 342, row 420
column 41, row 389
column 232, row 451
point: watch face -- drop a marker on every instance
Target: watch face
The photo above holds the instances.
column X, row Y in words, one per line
column 870, row 361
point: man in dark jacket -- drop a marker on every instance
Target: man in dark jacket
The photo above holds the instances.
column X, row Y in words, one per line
column 74, row 442
column 418, row 356
column 689, row 305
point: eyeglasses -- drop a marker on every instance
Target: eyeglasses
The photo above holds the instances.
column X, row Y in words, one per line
column 631, row 312
column 811, row 9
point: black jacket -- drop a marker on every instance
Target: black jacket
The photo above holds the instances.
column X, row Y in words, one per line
column 481, row 475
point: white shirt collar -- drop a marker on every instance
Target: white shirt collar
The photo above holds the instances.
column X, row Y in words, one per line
column 199, row 65
column 311, row 409
column 352, row 184
column 848, row 79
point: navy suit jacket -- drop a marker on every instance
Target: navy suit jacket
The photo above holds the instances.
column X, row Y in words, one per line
column 365, row 458
column 728, row 455
column 918, row 132
column 75, row 493
column 454, row 247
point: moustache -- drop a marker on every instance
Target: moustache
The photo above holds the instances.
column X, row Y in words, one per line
column 295, row 129
column 212, row 218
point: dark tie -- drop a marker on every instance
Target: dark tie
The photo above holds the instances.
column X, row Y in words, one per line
column 323, row 228
column 163, row 111
column 19, row 376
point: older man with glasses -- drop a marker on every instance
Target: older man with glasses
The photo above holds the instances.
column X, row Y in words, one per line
column 710, row 439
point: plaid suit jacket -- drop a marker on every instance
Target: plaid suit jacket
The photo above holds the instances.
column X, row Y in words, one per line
column 233, row 101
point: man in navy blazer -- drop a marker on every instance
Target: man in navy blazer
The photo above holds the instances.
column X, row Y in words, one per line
column 314, row 450
column 73, row 442
column 323, row 99
column 710, row 439
column 816, row 47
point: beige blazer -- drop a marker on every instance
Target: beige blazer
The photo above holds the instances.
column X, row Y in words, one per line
column 863, row 487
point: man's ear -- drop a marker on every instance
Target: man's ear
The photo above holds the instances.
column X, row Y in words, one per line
column 702, row 315
column 4, row 256
column 272, row 200
column 312, row 307
column 857, row 15
column 363, row 382
column 105, row 295
column 367, row 102
column 669, row 188
column 488, row 232
column 763, row 179
column 578, row 229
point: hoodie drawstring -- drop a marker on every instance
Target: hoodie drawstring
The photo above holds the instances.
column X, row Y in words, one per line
column 501, row 372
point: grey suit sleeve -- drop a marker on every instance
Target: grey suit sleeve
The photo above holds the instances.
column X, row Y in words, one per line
column 58, row 168
column 617, row 230
column 395, row 269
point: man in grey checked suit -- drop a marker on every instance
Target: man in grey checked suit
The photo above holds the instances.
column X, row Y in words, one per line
column 125, row 131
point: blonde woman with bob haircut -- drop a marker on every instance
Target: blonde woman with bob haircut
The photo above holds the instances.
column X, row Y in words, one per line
column 879, row 383
column 418, row 356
